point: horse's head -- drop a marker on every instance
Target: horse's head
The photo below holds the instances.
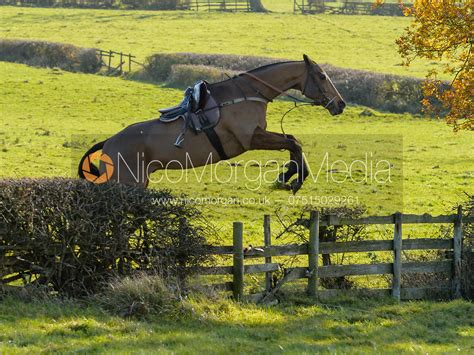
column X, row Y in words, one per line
column 319, row 87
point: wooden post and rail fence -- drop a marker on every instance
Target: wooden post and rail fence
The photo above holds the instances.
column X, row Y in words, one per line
column 125, row 61
column 349, row 7
column 220, row 5
column 314, row 248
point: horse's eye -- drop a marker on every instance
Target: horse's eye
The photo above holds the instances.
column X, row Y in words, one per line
column 322, row 76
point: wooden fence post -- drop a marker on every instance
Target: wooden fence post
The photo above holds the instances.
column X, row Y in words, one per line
column 457, row 254
column 313, row 254
column 238, row 267
column 397, row 256
column 110, row 59
column 267, row 242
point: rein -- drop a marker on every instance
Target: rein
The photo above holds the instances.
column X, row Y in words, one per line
column 296, row 100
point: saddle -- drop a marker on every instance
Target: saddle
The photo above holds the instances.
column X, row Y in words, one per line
column 199, row 111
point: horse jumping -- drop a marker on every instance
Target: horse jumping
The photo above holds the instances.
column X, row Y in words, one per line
column 237, row 107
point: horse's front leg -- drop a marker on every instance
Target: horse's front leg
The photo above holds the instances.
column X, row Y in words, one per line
column 293, row 166
column 263, row 140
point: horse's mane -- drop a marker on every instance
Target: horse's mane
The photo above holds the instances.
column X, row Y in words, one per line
column 263, row 67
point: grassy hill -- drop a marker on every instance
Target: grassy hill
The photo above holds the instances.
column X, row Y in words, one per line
column 50, row 117
column 358, row 42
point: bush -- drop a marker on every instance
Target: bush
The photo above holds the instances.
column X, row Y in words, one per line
column 114, row 4
column 154, row 4
column 75, row 236
column 385, row 92
column 183, row 75
column 381, row 91
column 50, row 54
column 158, row 66
column 140, row 296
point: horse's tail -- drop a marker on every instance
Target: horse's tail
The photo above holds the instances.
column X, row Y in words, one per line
column 93, row 169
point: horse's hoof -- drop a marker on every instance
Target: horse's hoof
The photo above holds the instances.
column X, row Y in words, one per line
column 281, row 185
column 295, row 186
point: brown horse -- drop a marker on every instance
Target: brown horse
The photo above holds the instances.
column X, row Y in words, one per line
column 241, row 127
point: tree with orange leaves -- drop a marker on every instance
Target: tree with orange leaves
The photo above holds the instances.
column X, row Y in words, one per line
column 442, row 31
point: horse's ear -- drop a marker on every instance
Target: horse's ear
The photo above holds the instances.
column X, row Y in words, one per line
column 306, row 59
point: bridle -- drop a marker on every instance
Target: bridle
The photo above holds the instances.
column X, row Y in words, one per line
column 329, row 101
column 296, row 100
column 325, row 102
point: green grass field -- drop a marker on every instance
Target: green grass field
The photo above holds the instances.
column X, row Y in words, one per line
column 358, row 42
column 45, row 109
column 359, row 327
column 49, row 117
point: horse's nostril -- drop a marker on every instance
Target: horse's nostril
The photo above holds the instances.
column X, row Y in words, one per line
column 342, row 104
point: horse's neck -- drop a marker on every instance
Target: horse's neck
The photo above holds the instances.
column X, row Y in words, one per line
column 283, row 76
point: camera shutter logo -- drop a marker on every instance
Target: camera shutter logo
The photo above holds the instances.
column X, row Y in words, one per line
column 104, row 177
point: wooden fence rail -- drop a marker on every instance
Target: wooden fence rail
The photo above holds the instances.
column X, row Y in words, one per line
column 314, row 248
column 220, row 5
column 125, row 61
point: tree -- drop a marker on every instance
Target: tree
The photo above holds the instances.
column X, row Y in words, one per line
column 257, row 6
column 442, row 31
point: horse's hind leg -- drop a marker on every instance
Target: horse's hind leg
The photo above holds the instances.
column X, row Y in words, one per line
column 263, row 140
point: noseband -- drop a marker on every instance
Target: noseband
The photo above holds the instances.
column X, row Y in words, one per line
column 330, row 102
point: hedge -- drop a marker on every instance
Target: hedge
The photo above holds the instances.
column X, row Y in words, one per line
column 381, row 91
column 158, row 66
column 75, row 236
column 183, row 75
column 50, row 54
column 108, row 4
column 153, row 4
